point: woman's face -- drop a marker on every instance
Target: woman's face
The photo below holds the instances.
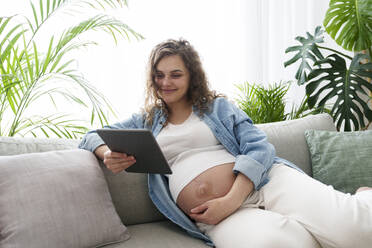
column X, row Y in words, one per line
column 172, row 79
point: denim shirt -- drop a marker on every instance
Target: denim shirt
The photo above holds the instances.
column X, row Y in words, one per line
column 236, row 132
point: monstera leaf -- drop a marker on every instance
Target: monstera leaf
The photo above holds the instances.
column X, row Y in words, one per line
column 305, row 52
column 349, row 23
column 348, row 85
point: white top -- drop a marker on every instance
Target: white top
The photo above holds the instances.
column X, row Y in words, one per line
column 190, row 149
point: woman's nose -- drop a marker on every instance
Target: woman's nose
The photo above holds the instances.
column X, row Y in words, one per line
column 166, row 80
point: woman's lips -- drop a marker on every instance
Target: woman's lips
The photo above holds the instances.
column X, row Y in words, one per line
column 168, row 91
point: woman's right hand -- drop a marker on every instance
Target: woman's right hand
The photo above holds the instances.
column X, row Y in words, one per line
column 114, row 161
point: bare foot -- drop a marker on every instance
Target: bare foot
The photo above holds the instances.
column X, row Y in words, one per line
column 363, row 189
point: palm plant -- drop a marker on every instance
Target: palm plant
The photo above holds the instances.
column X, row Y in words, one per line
column 268, row 104
column 263, row 104
column 28, row 75
column 331, row 79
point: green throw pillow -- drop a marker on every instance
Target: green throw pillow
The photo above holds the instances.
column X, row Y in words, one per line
column 341, row 159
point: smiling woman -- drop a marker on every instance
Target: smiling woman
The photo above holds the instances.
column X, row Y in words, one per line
column 224, row 171
column 172, row 82
column 176, row 78
column 178, row 75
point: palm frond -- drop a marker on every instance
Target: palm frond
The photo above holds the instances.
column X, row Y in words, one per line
column 304, row 110
column 42, row 13
column 97, row 100
column 9, row 41
column 28, row 74
column 57, row 124
column 104, row 4
column 263, row 104
column 98, row 22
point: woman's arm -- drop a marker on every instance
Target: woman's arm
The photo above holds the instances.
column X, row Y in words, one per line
column 240, row 190
column 214, row 211
column 100, row 151
column 91, row 141
column 114, row 161
column 236, row 131
column 255, row 154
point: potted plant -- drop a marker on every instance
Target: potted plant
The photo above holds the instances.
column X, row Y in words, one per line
column 263, row 104
column 268, row 104
column 337, row 79
column 27, row 74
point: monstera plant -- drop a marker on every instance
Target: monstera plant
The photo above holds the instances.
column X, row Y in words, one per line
column 31, row 70
column 339, row 80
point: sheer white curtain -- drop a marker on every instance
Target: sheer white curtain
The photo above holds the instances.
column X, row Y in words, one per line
column 238, row 41
column 273, row 27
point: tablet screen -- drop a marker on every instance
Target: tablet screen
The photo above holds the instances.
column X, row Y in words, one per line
column 139, row 143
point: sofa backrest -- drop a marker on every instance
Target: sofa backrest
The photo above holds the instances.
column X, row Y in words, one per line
column 289, row 140
column 129, row 190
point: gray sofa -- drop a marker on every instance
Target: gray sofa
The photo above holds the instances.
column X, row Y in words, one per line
column 147, row 227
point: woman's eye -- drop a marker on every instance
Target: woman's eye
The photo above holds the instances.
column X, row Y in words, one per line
column 176, row 76
column 159, row 76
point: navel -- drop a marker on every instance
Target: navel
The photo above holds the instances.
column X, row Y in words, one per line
column 203, row 189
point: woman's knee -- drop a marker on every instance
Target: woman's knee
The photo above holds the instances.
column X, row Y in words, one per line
column 348, row 226
column 260, row 228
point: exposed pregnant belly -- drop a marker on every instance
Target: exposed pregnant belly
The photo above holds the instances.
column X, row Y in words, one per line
column 212, row 183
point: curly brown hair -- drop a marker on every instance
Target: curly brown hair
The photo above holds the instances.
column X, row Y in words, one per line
column 198, row 93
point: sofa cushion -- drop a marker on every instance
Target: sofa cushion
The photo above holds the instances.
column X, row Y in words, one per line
column 125, row 188
column 341, row 159
column 56, row 199
column 129, row 193
column 289, row 140
column 161, row 234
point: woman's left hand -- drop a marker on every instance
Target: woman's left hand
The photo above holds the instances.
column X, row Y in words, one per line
column 214, row 211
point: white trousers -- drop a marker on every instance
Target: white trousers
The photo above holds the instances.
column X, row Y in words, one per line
column 298, row 212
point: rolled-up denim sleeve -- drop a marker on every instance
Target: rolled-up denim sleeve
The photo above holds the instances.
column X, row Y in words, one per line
column 91, row 140
column 256, row 154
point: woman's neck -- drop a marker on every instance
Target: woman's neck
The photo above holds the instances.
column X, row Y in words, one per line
column 178, row 113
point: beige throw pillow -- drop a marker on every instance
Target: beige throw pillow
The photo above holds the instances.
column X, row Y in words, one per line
column 56, row 199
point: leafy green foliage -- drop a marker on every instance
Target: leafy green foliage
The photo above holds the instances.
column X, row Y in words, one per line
column 28, row 75
column 307, row 52
column 349, row 23
column 331, row 82
column 262, row 104
column 304, row 110
column 267, row 104
column 346, row 84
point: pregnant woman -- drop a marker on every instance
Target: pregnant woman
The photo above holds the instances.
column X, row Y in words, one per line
column 228, row 188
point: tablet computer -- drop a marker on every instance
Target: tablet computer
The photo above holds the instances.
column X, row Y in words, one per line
column 139, row 143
